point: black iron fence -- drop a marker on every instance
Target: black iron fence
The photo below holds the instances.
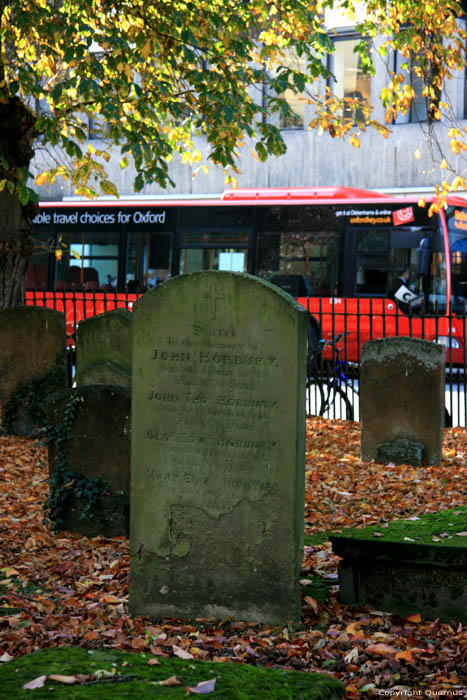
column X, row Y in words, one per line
column 346, row 324
column 339, row 328
column 78, row 304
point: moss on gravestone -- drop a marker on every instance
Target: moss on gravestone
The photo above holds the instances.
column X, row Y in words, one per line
column 430, row 538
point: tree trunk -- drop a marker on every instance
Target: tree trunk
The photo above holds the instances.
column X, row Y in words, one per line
column 17, row 133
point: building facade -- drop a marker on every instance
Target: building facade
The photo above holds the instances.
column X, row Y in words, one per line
column 387, row 164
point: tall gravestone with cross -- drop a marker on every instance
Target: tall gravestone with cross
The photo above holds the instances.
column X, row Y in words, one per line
column 218, row 439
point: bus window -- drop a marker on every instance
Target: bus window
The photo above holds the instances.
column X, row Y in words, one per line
column 214, row 250
column 372, row 262
column 313, row 256
column 403, row 259
column 197, row 259
column 149, row 259
column 324, row 260
column 37, row 275
column 89, row 260
column 456, row 218
column 437, row 285
column 432, row 284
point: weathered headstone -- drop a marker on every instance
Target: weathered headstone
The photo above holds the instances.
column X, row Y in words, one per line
column 218, row 436
column 103, row 349
column 31, row 337
column 402, row 400
column 32, row 347
column 89, row 439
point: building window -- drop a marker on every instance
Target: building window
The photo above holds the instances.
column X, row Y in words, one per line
column 349, row 80
column 417, row 111
column 295, row 118
column 465, row 91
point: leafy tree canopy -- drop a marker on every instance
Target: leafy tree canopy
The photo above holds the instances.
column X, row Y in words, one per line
column 152, row 73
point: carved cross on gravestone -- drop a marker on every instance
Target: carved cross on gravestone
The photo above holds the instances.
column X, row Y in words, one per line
column 214, row 300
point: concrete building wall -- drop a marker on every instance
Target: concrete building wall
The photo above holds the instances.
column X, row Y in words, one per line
column 310, row 160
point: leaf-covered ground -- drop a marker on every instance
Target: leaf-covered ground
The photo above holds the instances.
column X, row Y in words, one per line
column 63, row 590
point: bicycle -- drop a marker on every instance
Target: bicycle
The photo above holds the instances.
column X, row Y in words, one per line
column 324, row 386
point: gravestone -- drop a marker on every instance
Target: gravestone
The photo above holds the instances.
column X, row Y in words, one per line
column 424, row 558
column 32, row 347
column 218, row 438
column 103, row 349
column 402, row 400
column 90, row 437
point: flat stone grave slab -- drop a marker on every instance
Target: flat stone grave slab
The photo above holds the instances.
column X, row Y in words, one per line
column 409, row 566
column 218, row 440
column 103, row 349
column 95, row 444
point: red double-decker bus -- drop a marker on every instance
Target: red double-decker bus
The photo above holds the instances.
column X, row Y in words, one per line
column 338, row 250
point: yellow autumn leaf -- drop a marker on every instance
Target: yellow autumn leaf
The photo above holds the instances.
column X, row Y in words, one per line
column 416, row 617
column 458, row 183
column 355, row 141
column 40, row 179
column 146, row 50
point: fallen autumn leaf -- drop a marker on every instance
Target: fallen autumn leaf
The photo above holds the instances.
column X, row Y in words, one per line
column 38, row 682
column 203, row 688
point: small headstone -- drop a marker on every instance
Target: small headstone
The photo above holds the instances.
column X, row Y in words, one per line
column 218, row 438
column 103, row 349
column 90, row 437
column 402, row 400
column 32, row 347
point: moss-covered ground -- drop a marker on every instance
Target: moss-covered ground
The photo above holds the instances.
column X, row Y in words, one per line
column 115, row 675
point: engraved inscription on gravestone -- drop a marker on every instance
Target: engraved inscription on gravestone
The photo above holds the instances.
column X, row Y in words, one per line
column 218, row 435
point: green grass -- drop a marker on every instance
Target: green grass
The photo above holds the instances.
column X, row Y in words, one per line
column 233, row 681
column 317, row 538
